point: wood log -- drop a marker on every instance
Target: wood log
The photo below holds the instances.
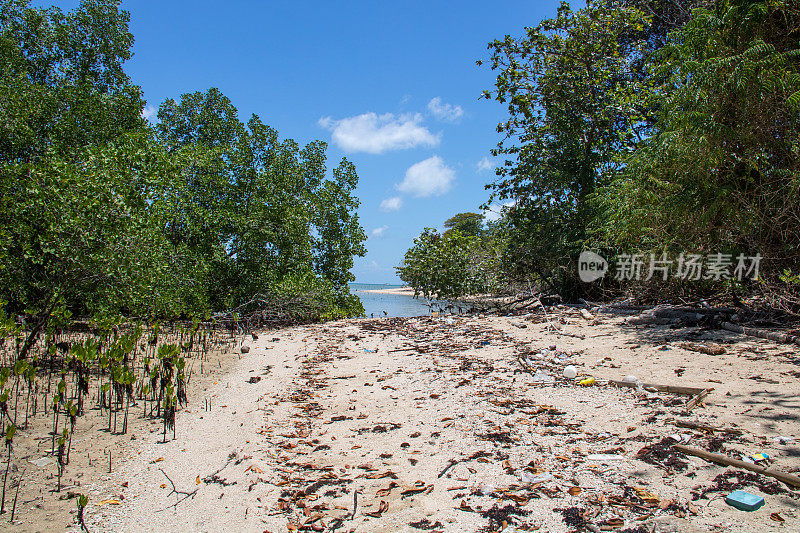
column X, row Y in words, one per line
column 665, row 315
column 671, row 389
column 762, row 333
column 708, row 349
column 724, row 460
column 695, row 401
column 705, row 427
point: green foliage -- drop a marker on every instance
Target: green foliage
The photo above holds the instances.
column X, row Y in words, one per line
column 450, row 265
column 721, row 171
column 61, row 79
column 466, row 223
column 643, row 126
column 102, row 215
column 575, row 104
column 253, row 209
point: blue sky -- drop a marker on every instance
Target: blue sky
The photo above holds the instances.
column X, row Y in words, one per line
column 393, row 86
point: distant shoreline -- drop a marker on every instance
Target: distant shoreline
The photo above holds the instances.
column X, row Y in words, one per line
column 406, row 291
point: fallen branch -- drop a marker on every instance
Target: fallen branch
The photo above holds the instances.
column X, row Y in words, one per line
column 355, row 504
column 784, row 338
column 705, row 427
column 177, row 492
column 452, row 462
column 695, row 401
column 724, row 460
column 708, row 349
column 671, row 389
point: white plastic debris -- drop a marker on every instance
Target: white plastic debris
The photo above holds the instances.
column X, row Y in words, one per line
column 527, row 477
column 543, row 377
column 570, row 372
column 42, row 462
column 630, row 378
column 681, row 438
column 783, row 440
column 486, row 489
column 604, row 457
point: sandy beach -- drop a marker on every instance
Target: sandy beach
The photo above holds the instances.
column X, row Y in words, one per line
column 406, row 291
column 458, row 424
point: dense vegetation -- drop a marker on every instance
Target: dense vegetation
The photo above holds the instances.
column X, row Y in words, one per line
column 103, row 214
column 644, row 127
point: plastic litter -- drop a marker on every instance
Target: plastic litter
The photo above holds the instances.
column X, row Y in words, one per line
column 570, row 372
column 588, row 382
column 543, row 377
column 744, row 500
column 527, row 477
column 42, row 462
column 681, row 438
column 604, row 457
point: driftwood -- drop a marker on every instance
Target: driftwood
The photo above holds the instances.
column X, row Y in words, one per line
column 789, row 479
column 666, row 315
column 671, row 389
column 708, row 349
column 454, row 461
column 691, row 404
column 705, row 427
column 178, row 493
column 762, row 333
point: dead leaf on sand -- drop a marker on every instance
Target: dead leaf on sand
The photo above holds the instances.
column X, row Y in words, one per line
column 381, row 493
column 382, row 508
column 465, row 507
column 417, row 488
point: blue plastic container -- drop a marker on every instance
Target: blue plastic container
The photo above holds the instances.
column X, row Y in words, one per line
column 744, row 500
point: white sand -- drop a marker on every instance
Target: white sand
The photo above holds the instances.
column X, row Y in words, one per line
column 407, row 291
column 406, row 414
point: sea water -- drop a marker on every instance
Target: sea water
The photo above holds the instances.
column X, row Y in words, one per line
column 393, row 304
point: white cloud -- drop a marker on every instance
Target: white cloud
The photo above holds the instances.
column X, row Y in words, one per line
column 149, row 113
column 496, row 211
column 378, row 232
column 485, row 164
column 391, row 204
column 443, row 111
column 375, row 134
column 430, row 177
